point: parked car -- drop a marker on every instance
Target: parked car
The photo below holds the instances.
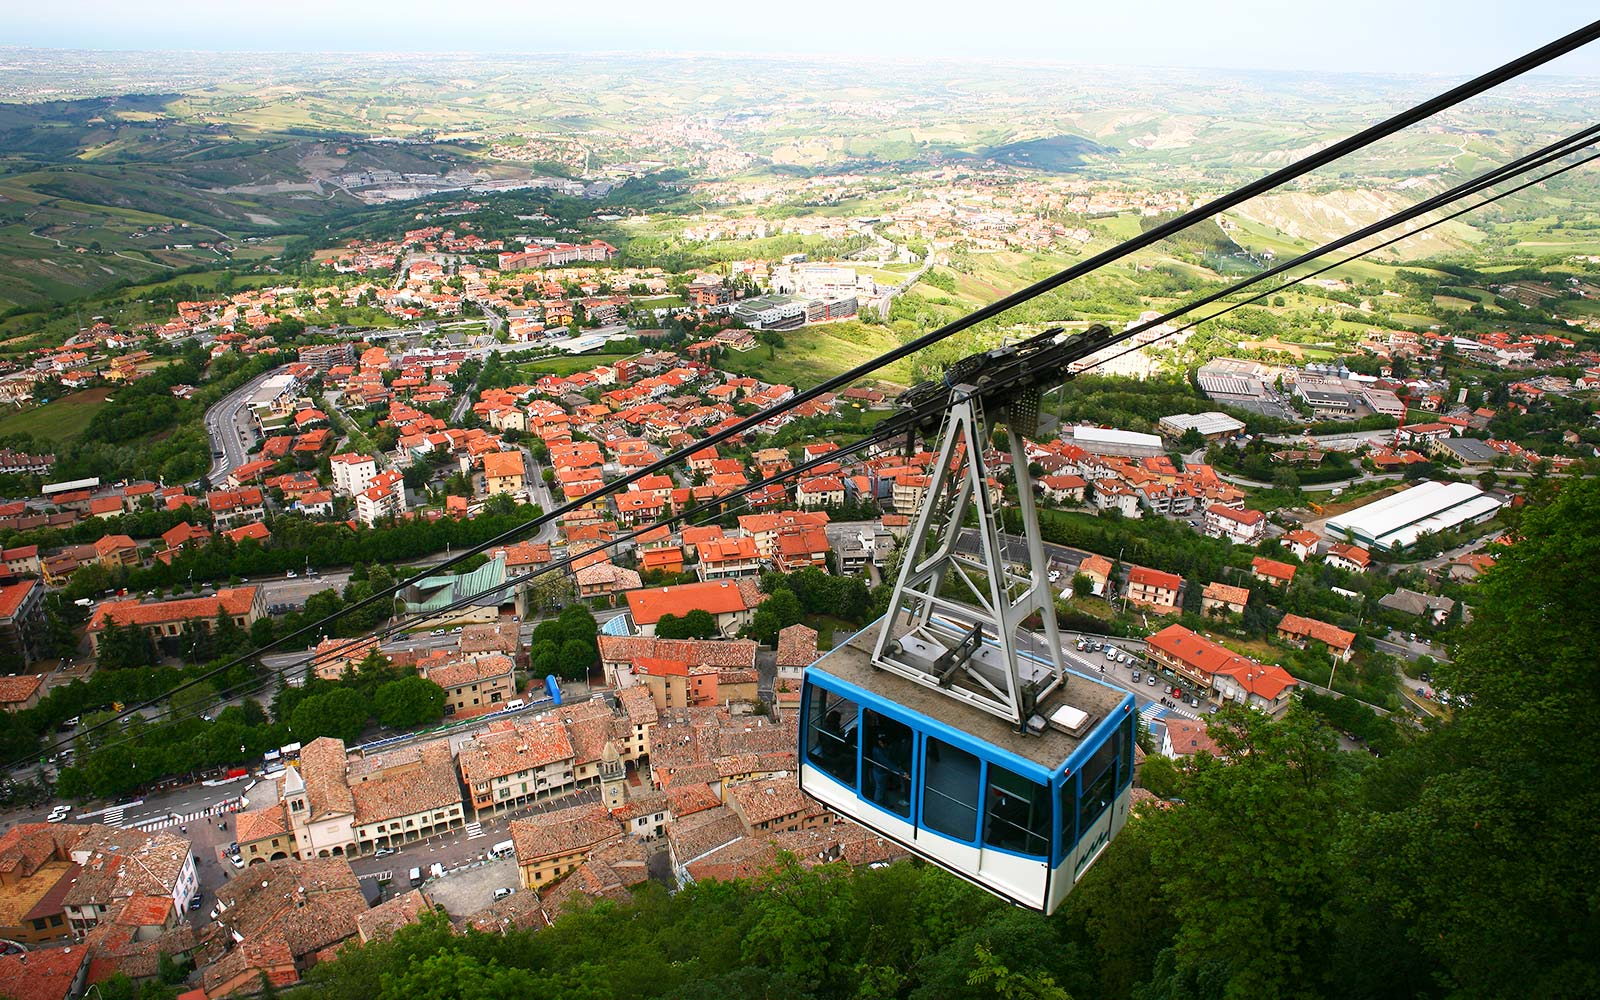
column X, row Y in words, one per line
column 502, row 893
column 1152, row 680
column 290, row 575
column 194, row 904
column 1136, row 676
column 1122, row 657
column 383, row 852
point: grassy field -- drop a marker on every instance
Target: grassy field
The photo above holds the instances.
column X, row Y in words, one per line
column 568, row 364
column 59, row 420
column 813, row 353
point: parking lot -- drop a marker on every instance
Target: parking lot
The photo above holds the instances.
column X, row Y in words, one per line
column 465, row 890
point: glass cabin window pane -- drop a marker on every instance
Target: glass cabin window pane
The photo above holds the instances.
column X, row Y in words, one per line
column 831, row 732
column 1125, row 756
column 886, row 762
column 950, row 779
column 1018, row 815
column 1099, row 777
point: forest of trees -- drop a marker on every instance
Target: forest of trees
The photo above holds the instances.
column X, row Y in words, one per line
column 1462, row 863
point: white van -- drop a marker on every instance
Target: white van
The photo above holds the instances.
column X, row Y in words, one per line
column 503, row 849
column 415, row 877
column 514, row 704
column 437, row 871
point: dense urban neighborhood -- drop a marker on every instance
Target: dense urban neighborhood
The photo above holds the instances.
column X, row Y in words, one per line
column 379, row 587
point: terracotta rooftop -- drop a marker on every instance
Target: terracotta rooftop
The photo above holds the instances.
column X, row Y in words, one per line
column 562, row 831
column 717, row 597
column 235, row 602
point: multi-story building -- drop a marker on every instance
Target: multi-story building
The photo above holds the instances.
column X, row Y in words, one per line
column 524, row 760
column 384, row 497
column 22, row 620
column 1242, row 527
column 353, row 473
column 820, row 491
column 230, row 507
column 1153, row 589
column 551, row 844
column 473, row 683
column 1272, row 571
column 726, row 558
column 1205, row 664
column 332, row 806
column 1349, row 557
column 61, row 879
column 1223, row 599
column 504, row 472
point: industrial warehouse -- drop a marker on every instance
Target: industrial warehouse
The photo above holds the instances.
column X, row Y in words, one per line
column 1429, row 507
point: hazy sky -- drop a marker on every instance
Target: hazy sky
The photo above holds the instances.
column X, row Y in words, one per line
column 1457, row 37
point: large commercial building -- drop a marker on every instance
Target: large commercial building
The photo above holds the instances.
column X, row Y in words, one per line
column 1110, row 441
column 1400, row 519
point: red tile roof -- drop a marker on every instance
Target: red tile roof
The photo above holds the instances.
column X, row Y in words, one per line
column 13, row 594
column 18, row 688
column 235, row 602
column 1146, row 577
column 1335, row 638
column 1272, row 568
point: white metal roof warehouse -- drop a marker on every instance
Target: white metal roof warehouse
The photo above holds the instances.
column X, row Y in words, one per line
column 1427, row 507
column 1109, row 441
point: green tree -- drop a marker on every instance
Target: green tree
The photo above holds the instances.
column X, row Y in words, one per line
column 407, row 702
column 575, row 660
column 340, row 713
column 122, row 646
column 1488, row 824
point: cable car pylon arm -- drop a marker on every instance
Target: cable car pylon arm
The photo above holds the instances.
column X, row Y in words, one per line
column 965, row 642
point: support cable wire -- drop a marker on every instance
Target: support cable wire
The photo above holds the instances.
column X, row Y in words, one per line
column 718, row 510
column 1329, row 154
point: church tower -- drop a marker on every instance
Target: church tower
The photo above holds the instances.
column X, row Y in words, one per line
column 613, row 778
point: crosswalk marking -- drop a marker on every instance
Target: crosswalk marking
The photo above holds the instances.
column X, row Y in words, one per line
column 115, row 818
column 380, row 876
column 1156, row 711
column 474, row 831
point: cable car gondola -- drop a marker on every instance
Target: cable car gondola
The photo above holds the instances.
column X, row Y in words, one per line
column 1024, row 816
column 935, row 727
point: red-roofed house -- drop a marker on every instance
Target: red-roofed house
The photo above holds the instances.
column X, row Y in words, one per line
column 1211, row 666
column 820, row 491
column 1279, row 574
column 1242, row 527
column 1349, row 557
column 257, row 531
column 727, row 602
column 1300, row 630
column 1302, row 543
column 1187, row 737
column 232, row 506
column 1153, row 589
column 724, row 558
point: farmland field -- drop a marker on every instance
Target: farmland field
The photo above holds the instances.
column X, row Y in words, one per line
column 59, row 420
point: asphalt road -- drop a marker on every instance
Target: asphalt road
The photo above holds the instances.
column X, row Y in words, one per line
column 228, row 425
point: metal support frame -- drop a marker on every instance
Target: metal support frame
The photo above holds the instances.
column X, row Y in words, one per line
column 934, row 640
